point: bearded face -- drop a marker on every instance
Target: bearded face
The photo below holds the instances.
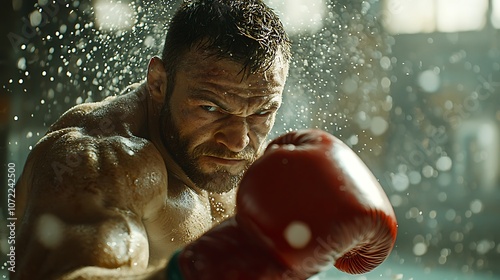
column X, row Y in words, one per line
column 216, row 119
column 211, row 166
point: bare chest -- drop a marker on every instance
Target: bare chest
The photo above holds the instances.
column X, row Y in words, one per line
column 179, row 222
column 184, row 217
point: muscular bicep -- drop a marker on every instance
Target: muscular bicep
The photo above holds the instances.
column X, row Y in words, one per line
column 85, row 201
column 53, row 246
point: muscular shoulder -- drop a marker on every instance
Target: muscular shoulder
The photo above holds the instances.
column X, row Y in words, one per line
column 125, row 172
column 118, row 115
column 84, row 200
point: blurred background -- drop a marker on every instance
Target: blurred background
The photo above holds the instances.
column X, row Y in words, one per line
column 412, row 86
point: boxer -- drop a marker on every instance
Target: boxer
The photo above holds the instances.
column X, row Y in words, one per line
column 115, row 187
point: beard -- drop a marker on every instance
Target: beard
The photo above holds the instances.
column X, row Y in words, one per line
column 220, row 178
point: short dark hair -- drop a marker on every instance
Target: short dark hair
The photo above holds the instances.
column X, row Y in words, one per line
column 247, row 31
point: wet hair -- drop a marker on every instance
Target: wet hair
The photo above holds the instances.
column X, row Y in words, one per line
column 246, row 31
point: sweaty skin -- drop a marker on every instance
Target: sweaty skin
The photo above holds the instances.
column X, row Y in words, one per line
column 100, row 195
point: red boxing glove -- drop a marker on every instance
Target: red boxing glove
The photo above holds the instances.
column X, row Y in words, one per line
column 313, row 202
column 226, row 252
column 307, row 203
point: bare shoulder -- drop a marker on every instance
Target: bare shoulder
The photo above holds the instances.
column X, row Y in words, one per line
column 116, row 115
column 125, row 171
column 99, row 147
column 89, row 195
column 96, row 146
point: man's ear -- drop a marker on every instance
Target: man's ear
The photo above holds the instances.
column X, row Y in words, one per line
column 157, row 79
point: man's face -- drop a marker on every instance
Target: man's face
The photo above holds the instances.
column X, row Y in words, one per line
column 217, row 119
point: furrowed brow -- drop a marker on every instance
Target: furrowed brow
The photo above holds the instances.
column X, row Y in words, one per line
column 273, row 104
column 198, row 94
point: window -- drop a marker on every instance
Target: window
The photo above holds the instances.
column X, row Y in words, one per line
column 495, row 14
column 424, row 16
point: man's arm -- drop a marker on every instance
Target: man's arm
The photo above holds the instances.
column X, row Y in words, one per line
column 84, row 201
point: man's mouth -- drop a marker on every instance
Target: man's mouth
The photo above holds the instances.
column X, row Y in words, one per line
column 225, row 160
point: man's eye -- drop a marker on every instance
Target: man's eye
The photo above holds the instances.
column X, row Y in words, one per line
column 262, row 113
column 209, row 108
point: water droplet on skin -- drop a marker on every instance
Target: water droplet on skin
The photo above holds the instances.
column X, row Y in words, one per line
column 49, row 231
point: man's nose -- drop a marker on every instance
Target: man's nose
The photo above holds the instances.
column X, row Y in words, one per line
column 234, row 134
